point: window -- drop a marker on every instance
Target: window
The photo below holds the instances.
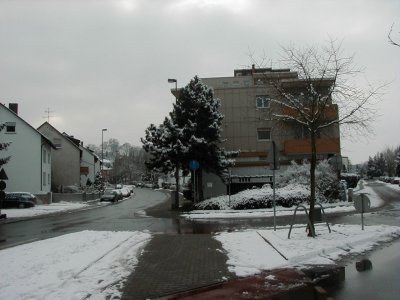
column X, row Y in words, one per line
column 44, row 178
column 264, row 134
column 57, row 143
column 48, row 157
column 48, row 178
column 246, row 83
column 225, row 84
column 302, row 133
column 44, row 155
column 303, row 99
column 10, row 127
column 236, row 83
column 262, row 101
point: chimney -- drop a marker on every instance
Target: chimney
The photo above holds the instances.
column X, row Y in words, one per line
column 13, row 107
column 253, row 69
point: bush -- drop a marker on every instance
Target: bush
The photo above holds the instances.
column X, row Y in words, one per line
column 287, row 196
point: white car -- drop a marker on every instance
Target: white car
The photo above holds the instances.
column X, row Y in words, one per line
column 125, row 192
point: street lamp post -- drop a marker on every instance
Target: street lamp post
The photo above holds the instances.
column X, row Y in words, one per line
column 170, row 80
column 176, row 87
column 102, row 154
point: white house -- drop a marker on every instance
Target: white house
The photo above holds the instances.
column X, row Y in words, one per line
column 29, row 169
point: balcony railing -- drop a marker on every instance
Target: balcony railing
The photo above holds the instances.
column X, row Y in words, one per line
column 304, row 146
column 330, row 112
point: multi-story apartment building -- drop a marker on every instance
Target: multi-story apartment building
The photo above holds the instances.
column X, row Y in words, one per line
column 249, row 124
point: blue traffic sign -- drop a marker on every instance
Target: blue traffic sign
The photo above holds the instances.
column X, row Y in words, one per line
column 194, row 165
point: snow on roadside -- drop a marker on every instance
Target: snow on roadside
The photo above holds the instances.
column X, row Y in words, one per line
column 44, row 209
column 282, row 211
column 83, row 265
column 249, row 252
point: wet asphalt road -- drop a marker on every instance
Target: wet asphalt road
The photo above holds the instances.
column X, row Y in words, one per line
column 149, row 210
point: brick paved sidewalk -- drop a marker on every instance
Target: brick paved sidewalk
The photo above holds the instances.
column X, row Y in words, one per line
column 175, row 263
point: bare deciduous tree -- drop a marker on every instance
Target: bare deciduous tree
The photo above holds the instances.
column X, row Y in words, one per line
column 325, row 94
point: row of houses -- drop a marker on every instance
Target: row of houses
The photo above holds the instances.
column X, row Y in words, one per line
column 43, row 159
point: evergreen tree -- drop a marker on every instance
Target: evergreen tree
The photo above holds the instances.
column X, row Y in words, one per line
column 197, row 117
column 99, row 183
column 398, row 161
column 371, row 168
column 4, row 146
column 380, row 165
column 191, row 133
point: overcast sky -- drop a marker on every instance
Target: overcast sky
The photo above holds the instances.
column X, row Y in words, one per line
column 105, row 64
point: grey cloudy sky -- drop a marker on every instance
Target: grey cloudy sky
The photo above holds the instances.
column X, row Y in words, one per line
column 105, row 64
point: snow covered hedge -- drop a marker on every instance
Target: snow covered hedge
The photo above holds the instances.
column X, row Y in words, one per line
column 260, row 198
column 292, row 188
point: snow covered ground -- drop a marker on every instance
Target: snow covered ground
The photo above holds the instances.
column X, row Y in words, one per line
column 94, row 265
column 282, row 211
column 44, row 209
column 83, row 265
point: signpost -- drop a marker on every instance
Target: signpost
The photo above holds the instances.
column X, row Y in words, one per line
column 273, row 159
column 362, row 204
column 3, row 185
column 230, row 180
column 194, row 165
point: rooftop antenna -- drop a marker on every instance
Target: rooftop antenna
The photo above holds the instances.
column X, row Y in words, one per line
column 48, row 112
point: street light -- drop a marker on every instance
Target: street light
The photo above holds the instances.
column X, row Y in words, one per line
column 102, row 155
column 176, row 87
column 170, row 80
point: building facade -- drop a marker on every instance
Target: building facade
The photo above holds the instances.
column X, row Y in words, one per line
column 250, row 126
column 30, row 167
column 66, row 160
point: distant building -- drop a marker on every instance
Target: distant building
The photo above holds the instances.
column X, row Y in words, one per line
column 73, row 164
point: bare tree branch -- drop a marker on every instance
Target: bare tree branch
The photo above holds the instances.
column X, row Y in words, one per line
column 390, row 39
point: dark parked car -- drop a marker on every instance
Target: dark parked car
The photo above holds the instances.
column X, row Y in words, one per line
column 20, row 200
column 110, row 195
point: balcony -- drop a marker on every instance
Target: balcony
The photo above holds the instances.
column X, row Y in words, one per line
column 293, row 147
column 330, row 112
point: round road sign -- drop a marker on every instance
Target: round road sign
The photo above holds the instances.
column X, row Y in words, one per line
column 362, row 204
column 194, row 165
column 3, row 185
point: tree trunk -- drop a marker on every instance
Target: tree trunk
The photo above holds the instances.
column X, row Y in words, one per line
column 200, row 184
column 312, row 179
column 176, row 205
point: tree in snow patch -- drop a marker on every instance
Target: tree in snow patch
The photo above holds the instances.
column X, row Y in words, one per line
column 323, row 96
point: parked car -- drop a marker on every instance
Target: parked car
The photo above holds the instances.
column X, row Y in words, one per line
column 155, row 186
column 396, row 180
column 25, row 194
column 130, row 188
column 125, row 192
column 20, row 200
column 118, row 186
column 120, row 196
column 148, row 185
column 110, row 195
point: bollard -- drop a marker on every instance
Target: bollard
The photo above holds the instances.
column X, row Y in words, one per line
column 350, row 195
